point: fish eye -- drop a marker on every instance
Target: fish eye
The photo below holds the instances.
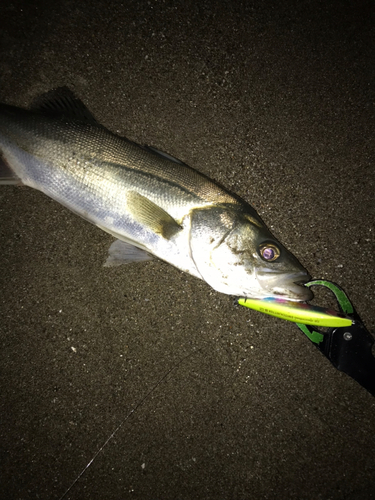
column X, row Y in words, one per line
column 269, row 252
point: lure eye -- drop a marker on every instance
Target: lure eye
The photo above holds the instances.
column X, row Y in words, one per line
column 269, row 252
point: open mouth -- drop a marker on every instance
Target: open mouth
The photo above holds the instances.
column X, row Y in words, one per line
column 288, row 286
column 296, row 291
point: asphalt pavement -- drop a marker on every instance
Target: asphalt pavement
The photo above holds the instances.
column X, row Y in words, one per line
column 140, row 381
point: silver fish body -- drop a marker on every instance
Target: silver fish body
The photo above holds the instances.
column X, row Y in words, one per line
column 150, row 202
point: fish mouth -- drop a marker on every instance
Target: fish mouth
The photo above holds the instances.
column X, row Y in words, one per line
column 288, row 286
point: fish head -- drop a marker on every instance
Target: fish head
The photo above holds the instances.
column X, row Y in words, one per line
column 236, row 254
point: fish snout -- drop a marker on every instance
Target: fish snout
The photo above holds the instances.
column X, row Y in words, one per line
column 287, row 286
column 299, row 290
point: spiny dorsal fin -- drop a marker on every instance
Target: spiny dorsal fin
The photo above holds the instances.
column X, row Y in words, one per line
column 62, row 102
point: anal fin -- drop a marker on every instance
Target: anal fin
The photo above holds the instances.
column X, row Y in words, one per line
column 7, row 176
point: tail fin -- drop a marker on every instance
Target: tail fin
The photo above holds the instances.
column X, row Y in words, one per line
column 7, row 176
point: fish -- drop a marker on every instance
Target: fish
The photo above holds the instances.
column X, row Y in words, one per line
column 153, row 204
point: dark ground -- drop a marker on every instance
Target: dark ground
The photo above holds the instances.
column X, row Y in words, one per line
column 276, row 100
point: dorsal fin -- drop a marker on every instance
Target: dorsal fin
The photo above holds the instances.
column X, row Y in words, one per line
column 62, row 102
column 163, row 155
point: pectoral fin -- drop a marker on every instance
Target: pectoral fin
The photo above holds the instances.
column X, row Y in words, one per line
column 121, row 252
column 151, row 215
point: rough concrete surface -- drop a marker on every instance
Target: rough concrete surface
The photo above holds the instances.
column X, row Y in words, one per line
column 173, row 391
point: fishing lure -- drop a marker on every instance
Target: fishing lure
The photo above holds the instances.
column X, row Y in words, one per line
column 347, row 344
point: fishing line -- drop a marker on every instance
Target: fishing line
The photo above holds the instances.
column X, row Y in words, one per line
column 125, row 419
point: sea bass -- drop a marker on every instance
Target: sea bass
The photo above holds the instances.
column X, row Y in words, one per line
column 153, row 204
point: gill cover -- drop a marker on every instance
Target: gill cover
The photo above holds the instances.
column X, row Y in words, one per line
column 222, row 243
column 236, row 254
